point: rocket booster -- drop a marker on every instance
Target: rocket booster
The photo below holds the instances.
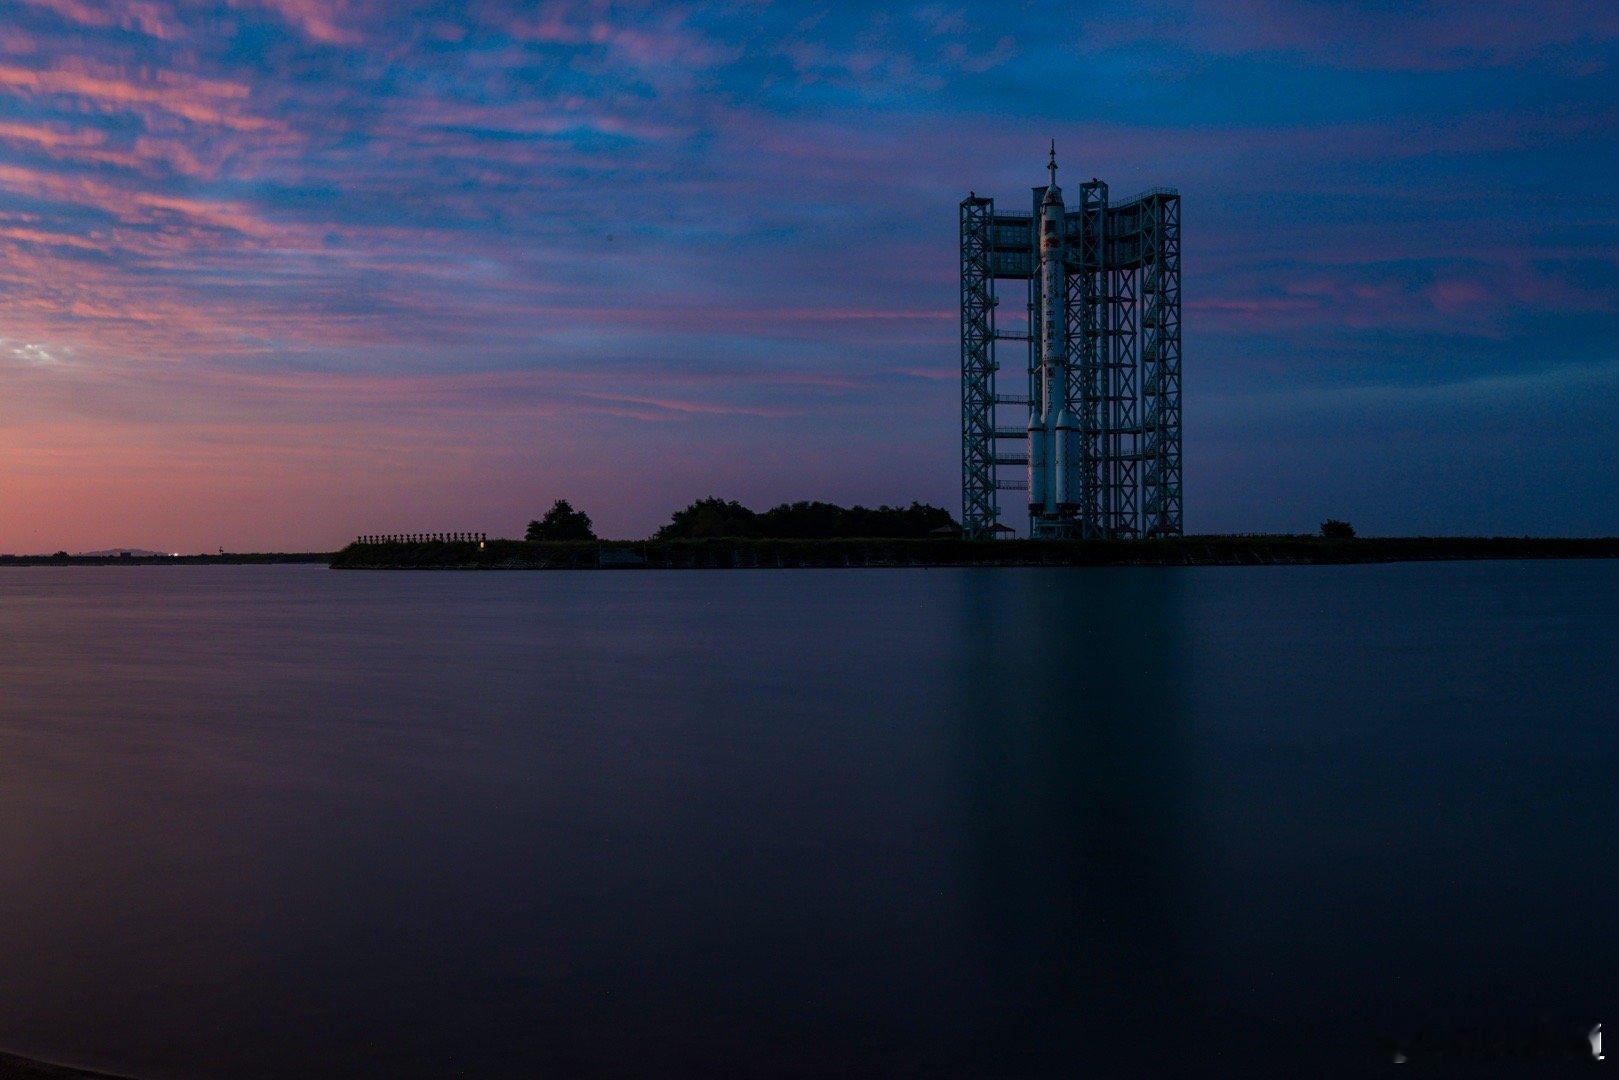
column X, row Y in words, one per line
column 1037, row 463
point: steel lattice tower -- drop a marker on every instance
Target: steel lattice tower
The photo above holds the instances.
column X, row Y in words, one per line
column 977, row 367
column 1107, row 457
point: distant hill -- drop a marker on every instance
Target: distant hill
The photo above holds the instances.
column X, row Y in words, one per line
column 113, row 553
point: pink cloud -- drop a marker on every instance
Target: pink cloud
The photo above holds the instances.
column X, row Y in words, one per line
column 153, row 19
column 647, row 37
column 137, row 206
column 197, row 99
column 51, row 136
column 1453, row 295
column 686, row 407
column 319, row 20
column 90, row 146
column 23, row 234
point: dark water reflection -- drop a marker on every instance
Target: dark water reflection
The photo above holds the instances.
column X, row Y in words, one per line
column 277, row 821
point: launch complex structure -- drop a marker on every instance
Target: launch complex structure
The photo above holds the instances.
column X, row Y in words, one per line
column 1102, row 442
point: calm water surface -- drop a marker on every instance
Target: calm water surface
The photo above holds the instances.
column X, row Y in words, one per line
column 282, row 821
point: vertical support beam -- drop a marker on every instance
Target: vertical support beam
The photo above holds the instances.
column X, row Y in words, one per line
column 1037, row 317
column 1031, row 330
column 1170, row 453
column 1160, row 358
column 1087, row 291
column 979, row 510
column 1123, row 378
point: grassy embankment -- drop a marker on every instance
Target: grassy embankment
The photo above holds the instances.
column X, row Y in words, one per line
column 730, row 553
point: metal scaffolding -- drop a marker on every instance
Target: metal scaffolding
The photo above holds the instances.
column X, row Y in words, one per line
column 979, row 503
column 1120, row 476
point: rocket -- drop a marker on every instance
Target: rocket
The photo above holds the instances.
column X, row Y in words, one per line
column 1053, row 435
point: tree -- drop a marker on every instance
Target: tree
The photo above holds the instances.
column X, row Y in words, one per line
column 1333, row 529
column 561, row 522
column 805, row 521
column 710, row 517
column 802, row 521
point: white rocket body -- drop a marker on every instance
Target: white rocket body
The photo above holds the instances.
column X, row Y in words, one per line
column 1052, row 484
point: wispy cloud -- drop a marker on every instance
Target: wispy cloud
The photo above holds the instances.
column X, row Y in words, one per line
column 323, row 21
column 186, row 97
column 146, row 16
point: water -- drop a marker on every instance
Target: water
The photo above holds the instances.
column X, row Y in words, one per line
column 281, row 821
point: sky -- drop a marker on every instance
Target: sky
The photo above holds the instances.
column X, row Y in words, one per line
column 274, row 273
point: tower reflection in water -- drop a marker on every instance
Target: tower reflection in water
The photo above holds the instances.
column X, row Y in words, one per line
column 1073, row 765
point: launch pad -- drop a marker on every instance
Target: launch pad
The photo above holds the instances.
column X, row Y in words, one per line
column 1099, row 419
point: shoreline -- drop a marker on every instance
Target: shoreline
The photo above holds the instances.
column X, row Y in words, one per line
column 243, row 559
column 752, row 554
column 755, row 554
column 13, row 1067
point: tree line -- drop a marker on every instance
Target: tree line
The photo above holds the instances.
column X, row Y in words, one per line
column 713, row 517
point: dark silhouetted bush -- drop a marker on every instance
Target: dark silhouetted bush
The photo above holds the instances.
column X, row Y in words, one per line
column 710, row 517
column 818, row 520
column 1333, row 529
column 707, row 518
column 561, row 522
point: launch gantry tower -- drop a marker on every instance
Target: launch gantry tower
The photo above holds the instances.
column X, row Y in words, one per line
column 1101, row 445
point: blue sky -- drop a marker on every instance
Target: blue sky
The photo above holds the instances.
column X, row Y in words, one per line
column 275, row 272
